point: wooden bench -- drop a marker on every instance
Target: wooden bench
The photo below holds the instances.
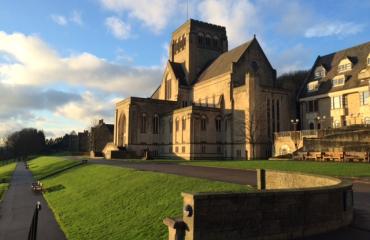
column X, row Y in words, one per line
column 356, row 157
column 37, row 186
column 313, row 156
column 333, row 156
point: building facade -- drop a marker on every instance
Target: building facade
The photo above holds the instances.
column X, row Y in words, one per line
column 211, row 103
column 336, row 93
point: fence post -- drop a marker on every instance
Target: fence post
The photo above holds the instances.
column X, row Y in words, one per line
column 261, row 179
column 32, row 234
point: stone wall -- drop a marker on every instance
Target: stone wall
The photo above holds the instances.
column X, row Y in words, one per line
column 267, row 214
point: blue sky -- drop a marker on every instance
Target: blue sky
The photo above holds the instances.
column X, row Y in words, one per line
column 63, row 64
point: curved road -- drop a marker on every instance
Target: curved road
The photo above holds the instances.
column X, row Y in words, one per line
column 359, row 230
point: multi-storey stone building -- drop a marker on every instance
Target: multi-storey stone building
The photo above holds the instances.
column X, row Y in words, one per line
column 336, row 92
column 334, row 103
column 211, row 102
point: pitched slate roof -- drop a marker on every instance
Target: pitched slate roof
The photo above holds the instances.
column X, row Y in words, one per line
column 357, row 55
column 223, row 63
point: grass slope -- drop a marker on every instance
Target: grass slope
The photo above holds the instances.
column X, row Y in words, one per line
column 323, row 168
column 45, row 166
column 105, row 202
column 6, row 173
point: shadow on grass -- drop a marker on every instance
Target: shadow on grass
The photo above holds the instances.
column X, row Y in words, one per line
column 55, row 188
column 61, row 170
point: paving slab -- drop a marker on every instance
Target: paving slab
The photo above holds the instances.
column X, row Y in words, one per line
column 17, row 208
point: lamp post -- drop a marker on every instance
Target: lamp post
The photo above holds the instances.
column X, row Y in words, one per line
column 295, row 123
column 319, row 120
column 295, row 135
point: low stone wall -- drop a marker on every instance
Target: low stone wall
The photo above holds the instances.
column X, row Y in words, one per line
column 315, row 205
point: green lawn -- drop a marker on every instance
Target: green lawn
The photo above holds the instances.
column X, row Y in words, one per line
column 323, row 168
column 105, row 202
column 6, row 172
column 44, row 166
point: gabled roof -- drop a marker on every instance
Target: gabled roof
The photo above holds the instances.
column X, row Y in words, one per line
column 357, row 55
column 223, row 63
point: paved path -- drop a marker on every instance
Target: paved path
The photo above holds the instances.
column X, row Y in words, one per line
column 17, row 209
column 360, row 229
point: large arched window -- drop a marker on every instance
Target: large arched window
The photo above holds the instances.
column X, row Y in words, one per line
column 155, row 124
column 143, row 123
column 208, row 41
column 203, row 123
column 215, row 42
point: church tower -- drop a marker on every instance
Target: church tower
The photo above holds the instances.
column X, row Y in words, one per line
column 195, row 45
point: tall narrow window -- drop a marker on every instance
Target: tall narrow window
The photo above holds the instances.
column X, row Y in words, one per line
column 155, row 124
column 183, row 123
column 168, row 89
column 177, row 124
column 268, row 117
column 203, row 123
column 273, row 115
column 277, row 116
column 336, row 102
column 143, row 123
column 218, row 124
column 364, row 98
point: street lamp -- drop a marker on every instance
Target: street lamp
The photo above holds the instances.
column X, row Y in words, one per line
column 294, row 122
column 320, row 120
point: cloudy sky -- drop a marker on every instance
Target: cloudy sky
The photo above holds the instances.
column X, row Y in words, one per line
column 64, row 63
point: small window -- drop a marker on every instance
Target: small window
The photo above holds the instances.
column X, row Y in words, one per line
column 345, row 65
column 364, row 98
column 320, row 72
column 183, row 149
column 313, row 106
column 338, row 81
column 313, row 86
column 203, row 123
column 336, row 102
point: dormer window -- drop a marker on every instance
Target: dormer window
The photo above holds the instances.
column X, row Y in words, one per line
column 313, row 86
column 338, row 80
column 345, row 65
column 320, row 72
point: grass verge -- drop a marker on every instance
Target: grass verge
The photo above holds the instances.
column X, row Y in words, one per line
column 105, row 202
column 6, row 172
column 322, row 168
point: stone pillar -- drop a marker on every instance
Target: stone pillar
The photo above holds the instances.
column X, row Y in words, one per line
column 176, row 228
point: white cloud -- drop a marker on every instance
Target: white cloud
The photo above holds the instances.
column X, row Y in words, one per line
column 333, row 29
column 239, row 17
column 91, row 107
column 76, row 17
column 118, row 28
column 59, row 19
column 33, row 69
column 155, row 14
column 84, row 69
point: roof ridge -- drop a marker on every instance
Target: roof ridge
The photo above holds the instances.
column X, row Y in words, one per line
column 346, row 49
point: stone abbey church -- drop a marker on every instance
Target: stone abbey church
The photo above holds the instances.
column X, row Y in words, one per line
column 212, row 102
